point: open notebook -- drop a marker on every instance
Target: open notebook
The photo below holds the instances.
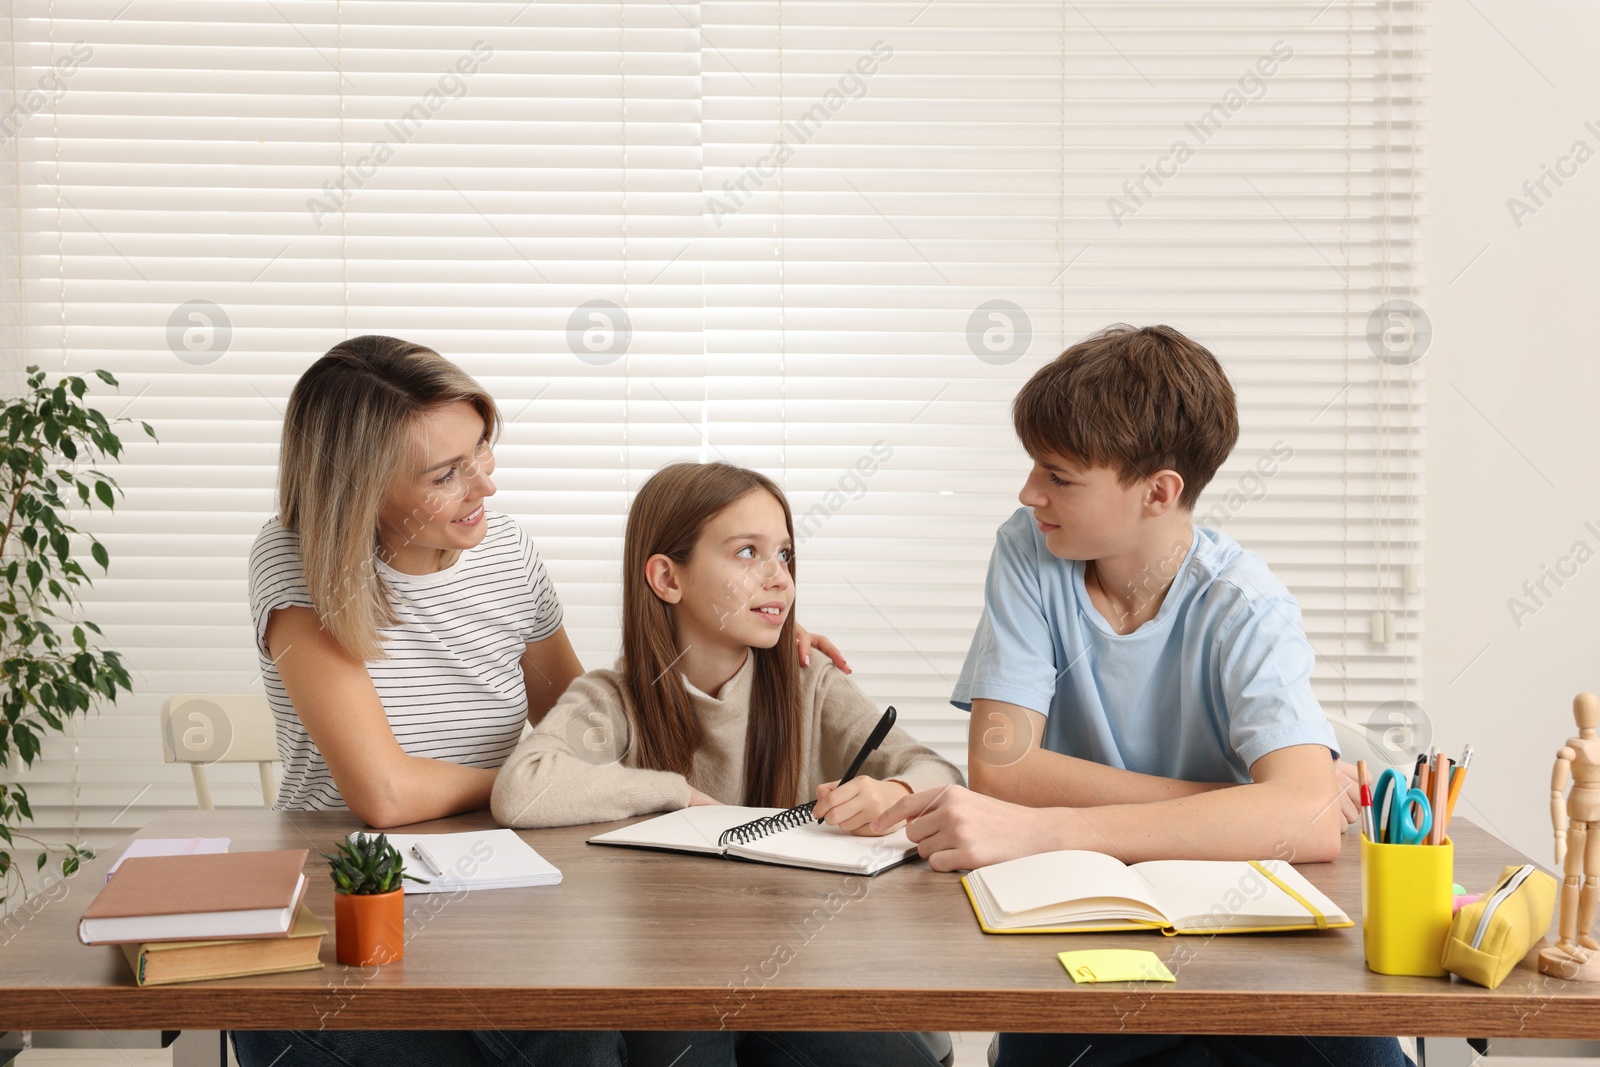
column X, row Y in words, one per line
column 767, row 835
column 471, row 859
column 1068, row 892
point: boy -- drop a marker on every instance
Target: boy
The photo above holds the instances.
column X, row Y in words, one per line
column 1138, row 686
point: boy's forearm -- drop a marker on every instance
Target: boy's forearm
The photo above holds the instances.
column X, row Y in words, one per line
column 1261, row 820
column 1045, row 779
column 1041, row 778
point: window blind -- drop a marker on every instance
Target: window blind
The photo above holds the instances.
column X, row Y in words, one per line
column 825, row 240
column 911, row 207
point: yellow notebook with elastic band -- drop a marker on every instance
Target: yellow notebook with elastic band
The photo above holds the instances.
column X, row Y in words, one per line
column 1090, row 892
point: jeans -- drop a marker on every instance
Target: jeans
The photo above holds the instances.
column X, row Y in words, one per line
column 1176, row 1050
column 428, row 1048
column 752, row 1048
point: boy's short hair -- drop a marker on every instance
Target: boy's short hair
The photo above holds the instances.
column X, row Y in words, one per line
column 1136, row 399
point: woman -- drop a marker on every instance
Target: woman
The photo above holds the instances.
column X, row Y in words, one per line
column 405, row 632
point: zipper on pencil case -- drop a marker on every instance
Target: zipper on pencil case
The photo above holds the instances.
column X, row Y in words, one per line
column 1518, row 876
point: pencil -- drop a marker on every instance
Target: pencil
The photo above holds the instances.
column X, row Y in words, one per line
column 1367, row 825
column 1441, row 790
column 1457, row 780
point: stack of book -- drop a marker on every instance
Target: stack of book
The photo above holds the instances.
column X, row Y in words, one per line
column 195, row 915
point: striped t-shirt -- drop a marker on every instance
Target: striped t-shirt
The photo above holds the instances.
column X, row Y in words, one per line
column 452, row 683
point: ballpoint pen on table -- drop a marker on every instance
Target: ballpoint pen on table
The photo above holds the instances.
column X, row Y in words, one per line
column 427, row 861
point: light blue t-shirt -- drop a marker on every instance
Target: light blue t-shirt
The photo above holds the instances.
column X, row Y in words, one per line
column 1220, row 677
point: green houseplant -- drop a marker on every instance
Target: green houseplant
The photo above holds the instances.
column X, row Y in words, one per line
column 369, row 912
column 50, row 666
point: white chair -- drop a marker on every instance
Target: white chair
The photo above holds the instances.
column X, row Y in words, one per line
column 1356, row 742
column 205, row 728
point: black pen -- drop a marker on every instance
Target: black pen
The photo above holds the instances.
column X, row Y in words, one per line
column 869, row 746
column 1416, row 782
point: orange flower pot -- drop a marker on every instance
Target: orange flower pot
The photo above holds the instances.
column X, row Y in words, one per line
column 369, row 928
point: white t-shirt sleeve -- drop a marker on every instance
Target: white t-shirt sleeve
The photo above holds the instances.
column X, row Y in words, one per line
column 547, row 606
column 277, row 578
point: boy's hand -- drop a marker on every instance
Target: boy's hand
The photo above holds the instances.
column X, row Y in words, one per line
column 956, row 829
column 697, row 798
column 1350, row 802
column 854, row 805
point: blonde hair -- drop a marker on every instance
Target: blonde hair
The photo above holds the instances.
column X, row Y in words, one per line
column 347, row 438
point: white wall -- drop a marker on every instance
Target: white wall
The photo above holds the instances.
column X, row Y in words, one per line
column 1512, row 390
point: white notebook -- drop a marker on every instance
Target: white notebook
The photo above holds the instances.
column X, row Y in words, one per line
column 475, row 859
column 169, row 846
column 768, row 835
column 1063, row 892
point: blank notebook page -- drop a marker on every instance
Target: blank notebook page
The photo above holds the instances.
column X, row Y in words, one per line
column 1206, row 894
column 693, row 829
column 1050, row 879
column 475, row 859
column 830, row 848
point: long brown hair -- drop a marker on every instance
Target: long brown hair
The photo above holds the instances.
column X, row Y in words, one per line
column 347, row 436
column 667, row 517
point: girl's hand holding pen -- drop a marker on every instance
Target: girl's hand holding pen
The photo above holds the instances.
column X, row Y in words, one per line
column 853, row 805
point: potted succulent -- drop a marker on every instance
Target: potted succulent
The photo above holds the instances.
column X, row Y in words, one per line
column 369, row 910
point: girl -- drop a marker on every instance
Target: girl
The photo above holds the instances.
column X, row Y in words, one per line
column 406, row 634
column 707, row 707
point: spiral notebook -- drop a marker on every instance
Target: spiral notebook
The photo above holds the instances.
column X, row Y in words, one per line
column 791, row 837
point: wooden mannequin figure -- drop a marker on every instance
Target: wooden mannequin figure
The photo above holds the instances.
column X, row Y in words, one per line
column 1576, row 816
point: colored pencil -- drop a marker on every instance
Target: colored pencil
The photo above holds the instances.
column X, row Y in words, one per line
column 1368, row 823
column 1437, row 799
column 1457, row 781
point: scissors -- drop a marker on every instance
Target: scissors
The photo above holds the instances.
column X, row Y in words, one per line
column 1394, row 799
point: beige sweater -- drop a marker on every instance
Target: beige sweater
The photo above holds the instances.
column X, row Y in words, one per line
column 568, row 769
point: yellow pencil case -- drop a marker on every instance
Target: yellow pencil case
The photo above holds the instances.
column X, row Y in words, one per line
column 1490, row 936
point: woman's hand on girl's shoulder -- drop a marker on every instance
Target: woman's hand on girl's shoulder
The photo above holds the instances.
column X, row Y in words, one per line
column 853, row 806
column 805, row 642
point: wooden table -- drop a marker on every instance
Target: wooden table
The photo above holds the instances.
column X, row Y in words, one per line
column 649, row 940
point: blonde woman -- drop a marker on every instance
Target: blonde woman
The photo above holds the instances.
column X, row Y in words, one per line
column 406, row 633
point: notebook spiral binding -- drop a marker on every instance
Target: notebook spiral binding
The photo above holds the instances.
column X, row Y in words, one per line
column 756, row 829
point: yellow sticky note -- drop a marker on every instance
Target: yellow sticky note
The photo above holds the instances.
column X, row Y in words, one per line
column 1115, row 965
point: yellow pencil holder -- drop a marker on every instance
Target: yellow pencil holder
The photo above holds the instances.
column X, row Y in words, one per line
column 1405, row 906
